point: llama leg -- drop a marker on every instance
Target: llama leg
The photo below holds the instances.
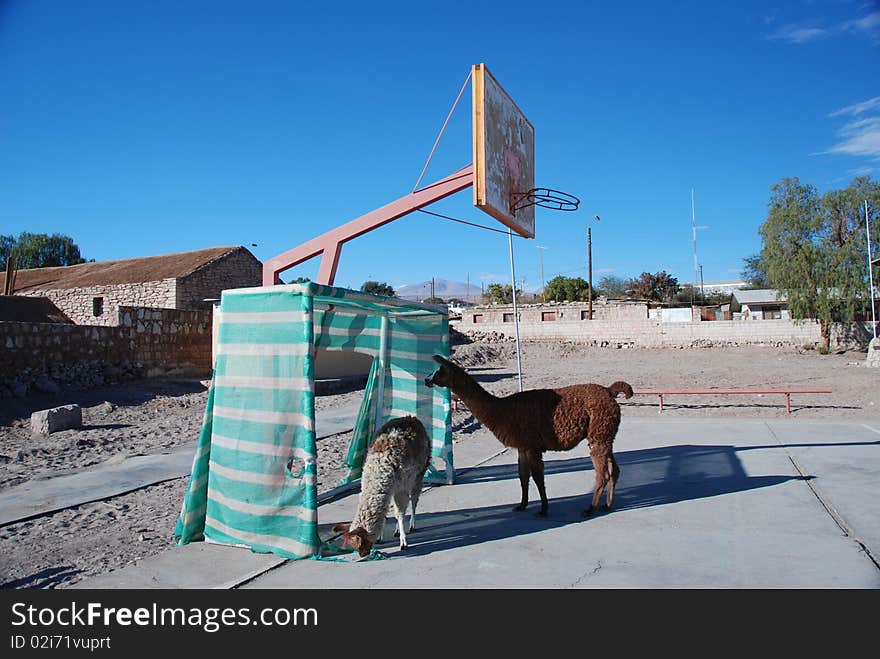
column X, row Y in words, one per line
column 400, row 502
column 536, row 466
column 524, row 471
column 612, row 481
column 600, row 468
column 414, row 501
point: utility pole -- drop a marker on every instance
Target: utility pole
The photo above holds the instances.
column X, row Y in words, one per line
column 590, row 273
column 702, row 292
column 543, row 294
column 432, row 288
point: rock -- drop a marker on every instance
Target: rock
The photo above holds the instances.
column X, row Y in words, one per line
column 873, row 359
column 104, row 408
column 56, row 419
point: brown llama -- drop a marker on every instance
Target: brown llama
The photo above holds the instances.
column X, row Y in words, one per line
column 539, row 420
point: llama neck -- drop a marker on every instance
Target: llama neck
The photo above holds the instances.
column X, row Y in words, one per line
column 479, row 401
column 373, row 504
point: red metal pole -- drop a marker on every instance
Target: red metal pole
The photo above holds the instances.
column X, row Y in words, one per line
column 330, row 244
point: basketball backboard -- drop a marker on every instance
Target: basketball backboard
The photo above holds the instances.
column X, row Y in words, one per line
column 504, row 153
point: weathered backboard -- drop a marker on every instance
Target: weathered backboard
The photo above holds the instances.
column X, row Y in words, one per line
column 504, row 153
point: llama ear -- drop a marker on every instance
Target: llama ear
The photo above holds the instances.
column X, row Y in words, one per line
column 440, row 360
column 344, row 526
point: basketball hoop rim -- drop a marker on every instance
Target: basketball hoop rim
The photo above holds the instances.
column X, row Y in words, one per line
column 545, row 198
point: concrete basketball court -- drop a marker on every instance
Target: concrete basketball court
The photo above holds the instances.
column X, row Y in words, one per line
column 701, row 503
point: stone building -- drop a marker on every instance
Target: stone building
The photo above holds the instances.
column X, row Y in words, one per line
column 603, row 309
column 92, row 293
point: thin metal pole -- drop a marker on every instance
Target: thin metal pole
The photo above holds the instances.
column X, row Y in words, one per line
column 383, row 371
column 515, row 315
column 694, row 225
column 870, row 270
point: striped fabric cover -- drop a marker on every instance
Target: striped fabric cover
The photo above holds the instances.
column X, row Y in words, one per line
column 254, row 476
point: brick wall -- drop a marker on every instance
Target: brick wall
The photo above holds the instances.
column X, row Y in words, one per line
column 145, row 342
column 78, row 303
column 239, row 269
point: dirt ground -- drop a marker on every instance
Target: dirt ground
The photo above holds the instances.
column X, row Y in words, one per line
column 153, row 416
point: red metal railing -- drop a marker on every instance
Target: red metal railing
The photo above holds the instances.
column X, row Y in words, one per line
column 716, row 392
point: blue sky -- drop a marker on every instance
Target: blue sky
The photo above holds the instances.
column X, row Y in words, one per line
column 143, row 128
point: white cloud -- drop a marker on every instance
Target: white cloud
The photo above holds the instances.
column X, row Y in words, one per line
column 797, row 34
column 859, row 138
column 863, row 171
column 858, row 108
column 869, row 24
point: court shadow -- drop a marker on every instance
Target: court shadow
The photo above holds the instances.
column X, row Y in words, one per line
column 649, row 477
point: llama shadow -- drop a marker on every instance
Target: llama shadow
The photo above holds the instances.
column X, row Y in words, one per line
column 649, row 477
column 48, row 578
column 469, row 425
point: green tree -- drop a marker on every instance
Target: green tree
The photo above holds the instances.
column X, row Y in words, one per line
column 39, row 250
column 500, row 293
column 659, row 287
column 573, row 289
column 377, row 288
column 434, row 300
column 814, row 249
column 754, row 272
column 611, row 286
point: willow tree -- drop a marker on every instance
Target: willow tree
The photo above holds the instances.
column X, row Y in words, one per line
column 814, row 250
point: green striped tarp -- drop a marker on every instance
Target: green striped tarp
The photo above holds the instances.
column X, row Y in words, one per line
column 254, row 475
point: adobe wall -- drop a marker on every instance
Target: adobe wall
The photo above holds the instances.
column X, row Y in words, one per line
column 76, row 303
column 146, row 342
column 239, row 269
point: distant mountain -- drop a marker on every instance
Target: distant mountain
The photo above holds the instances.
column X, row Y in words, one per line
column 443, row 288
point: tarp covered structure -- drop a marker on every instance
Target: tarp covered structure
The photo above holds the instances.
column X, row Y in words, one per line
column 254, row 475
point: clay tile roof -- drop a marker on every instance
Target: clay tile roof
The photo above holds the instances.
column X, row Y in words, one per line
column 123, row 271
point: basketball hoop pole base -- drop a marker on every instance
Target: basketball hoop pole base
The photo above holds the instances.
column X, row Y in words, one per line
column 329, row 245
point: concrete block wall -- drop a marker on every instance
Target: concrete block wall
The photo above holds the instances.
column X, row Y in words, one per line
column 239, row 269
column 652, row 333
column 146, row 342
column 77, row 303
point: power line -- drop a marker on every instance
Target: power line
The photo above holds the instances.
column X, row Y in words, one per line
column 472, row 224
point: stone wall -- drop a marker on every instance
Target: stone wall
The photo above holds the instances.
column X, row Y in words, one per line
column 239, row 269
column 78, row 304
column 144, row 343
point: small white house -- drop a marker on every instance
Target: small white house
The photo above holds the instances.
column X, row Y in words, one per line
column 762, row 304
